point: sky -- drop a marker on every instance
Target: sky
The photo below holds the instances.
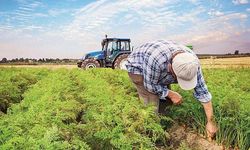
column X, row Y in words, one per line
column 71, row 28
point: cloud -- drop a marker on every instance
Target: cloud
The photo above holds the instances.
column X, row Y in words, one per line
column 40, row 15
column 101, row 17
column 25, row 12
column 96, row 18
column 214, row 12
column 57, row 12
column 5, row 27
column 248, row 9
column 238, row 2
column 25, row 8
column 151, row 21
column 141, row 21
column 210, row 36
column 195, row 2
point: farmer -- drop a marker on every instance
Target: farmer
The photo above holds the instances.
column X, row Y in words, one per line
column 155, row 65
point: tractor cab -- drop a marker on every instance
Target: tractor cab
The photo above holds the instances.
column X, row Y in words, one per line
column 113, row 47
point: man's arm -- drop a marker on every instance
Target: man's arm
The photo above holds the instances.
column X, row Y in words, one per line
column 211, row 126
column 208, row 108
column 203, row 95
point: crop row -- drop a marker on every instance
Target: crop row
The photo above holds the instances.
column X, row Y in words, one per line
column 100, row 109
column 77, row 110
column 231, row 100
column 14, row 82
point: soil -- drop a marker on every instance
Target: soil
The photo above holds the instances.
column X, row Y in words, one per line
column 183, row 138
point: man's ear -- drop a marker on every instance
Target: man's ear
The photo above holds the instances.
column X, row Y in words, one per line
column 169, row 68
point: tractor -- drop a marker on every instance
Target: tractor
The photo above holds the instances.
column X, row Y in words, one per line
column 114, row 55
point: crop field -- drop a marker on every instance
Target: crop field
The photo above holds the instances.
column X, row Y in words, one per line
column 99, row 109
column 242, row 62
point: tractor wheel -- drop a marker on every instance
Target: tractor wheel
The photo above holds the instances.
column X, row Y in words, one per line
column 120, row 62
column 90, row 63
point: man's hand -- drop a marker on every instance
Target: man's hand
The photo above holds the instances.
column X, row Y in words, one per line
column 175, row 97
column 211, row 129
column 211, row 126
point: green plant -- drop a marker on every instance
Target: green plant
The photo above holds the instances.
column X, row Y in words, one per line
column 66, row 110
column 100, row 109
column 14, row 82
column 231, row 103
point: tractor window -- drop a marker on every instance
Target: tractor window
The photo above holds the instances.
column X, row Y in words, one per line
column 124, row 45
column 112, row 46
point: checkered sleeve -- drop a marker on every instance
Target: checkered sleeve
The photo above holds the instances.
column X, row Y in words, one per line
column 151, row 75
column 201, row 91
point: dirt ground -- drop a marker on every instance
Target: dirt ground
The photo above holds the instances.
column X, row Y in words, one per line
column 183, row 138
column 206, row 63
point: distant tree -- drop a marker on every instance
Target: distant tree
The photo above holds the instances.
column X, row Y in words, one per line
column 12, row 60
column 26, row 59
column 66, row 60
column 4, row 60
column 21, row 59
column 236, row 52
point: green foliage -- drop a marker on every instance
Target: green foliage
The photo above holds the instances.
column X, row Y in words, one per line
column 99, row 109
column 230, row 91
column 115, row 118
column 46, row 118
column 14, row 82
column 80, row 110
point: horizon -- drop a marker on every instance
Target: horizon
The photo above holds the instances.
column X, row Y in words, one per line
column 229, row 54
column 70, row 28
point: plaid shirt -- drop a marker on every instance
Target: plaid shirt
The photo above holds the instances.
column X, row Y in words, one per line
column 151, row 60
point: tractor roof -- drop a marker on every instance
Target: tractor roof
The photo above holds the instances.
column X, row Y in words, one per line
column 116, row 39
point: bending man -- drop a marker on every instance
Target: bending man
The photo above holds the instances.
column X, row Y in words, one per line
column 155, row 65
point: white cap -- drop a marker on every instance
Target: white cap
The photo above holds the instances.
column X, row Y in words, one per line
column 185, row 66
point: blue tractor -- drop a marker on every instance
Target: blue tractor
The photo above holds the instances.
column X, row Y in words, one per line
column 114, row 54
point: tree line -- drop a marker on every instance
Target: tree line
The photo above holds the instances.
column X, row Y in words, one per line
column 40, row 60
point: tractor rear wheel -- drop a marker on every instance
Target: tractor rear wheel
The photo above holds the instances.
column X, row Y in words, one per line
column 120, row 62
column 90, row 63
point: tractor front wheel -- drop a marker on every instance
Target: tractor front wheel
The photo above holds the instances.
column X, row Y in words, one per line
column 90, row 63
column 120, row 62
